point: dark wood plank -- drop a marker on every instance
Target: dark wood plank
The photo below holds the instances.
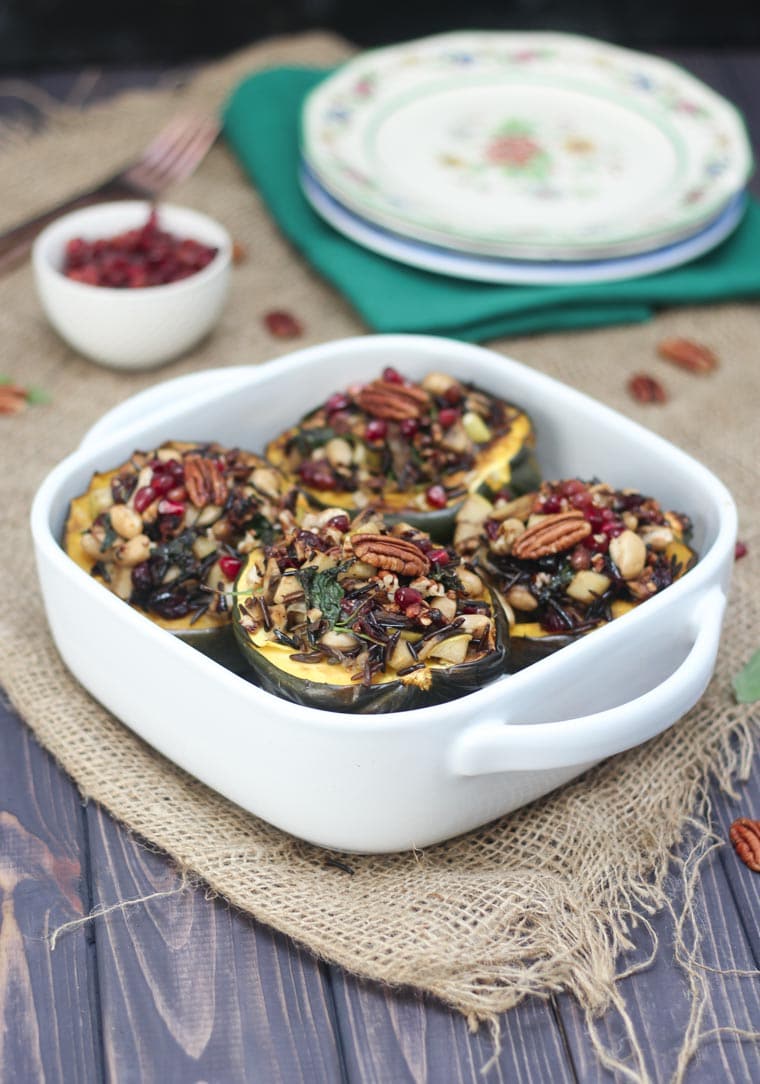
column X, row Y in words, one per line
column 191, row 989
column 400, row 1037
column 49, row 1028
column 657, row 999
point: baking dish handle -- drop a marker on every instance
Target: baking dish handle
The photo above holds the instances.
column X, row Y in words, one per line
column 497, row 745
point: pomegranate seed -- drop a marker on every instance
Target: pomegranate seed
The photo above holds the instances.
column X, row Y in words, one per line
column 145, row 495
column 170, row 508
column 598, row 543
column 572, row 486
column 740, row 550
column 392, row 376
column 436, row 496
column 282, row 325
column 406, row 596
column 439, row 557
column 339, row 401
column 448, row 416
column 376, row 430
column 612, row 528
column 408, row 427
column 551, row 504
column 595, row 518
column 230, row 566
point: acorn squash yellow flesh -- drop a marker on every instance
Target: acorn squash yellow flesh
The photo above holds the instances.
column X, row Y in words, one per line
column 290, row 657
column 555, row 597
column 243, row 508
column 495, row 460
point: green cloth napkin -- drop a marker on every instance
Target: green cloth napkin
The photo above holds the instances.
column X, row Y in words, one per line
column 261, row 124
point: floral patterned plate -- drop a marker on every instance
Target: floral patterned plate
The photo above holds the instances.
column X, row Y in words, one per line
column 525, row 145
column 495, row 269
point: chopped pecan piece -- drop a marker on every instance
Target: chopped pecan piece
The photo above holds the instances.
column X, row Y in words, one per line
column 393, row 402
column 690, row 355
column 553, row 534
column 392, row 554
column 645, row 389
column 204, row 481
column 744, row 833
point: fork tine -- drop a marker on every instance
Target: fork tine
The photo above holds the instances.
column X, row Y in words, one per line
column 174, row 153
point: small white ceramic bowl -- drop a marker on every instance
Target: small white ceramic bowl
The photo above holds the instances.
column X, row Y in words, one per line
column 407, row 779
column 132, row 328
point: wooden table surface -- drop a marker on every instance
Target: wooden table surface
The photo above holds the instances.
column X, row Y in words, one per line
column 185, row 989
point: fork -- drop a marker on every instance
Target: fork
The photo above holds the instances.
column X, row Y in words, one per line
column 168, row 159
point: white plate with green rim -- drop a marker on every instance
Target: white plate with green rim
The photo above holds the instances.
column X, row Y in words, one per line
column 525, row 145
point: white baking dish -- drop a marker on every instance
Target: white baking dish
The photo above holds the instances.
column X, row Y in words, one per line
column 394, row 781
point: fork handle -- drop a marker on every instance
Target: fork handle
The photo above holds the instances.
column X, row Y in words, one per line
column 16, row 243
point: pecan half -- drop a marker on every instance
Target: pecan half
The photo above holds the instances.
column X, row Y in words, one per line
column 393, row 402
column 553, row 534
column 12, row 399
column 203, row 481
column 690, row 355
column 392, row 554
column 744, row 833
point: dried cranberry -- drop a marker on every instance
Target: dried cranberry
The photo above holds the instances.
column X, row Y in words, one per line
column 147, row 256
column 340, row 523
column 377, row 430
column 338, row 401
column 436, row 496
column 145, row 496
column 282, row 325
column 740, row 550
column 439, row 557
column 230, row 566
column 162, row 483
column 317, row 473
column 448, row 416
column 453, row 395
column 392, row 376
column 598, row 543
column 170, row 508
column 406, row 596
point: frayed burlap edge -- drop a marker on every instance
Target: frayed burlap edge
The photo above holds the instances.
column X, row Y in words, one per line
column 544, row 900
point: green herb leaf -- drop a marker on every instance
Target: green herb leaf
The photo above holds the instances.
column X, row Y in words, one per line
column 37, row 396
column 323, row 591
column 747, row 682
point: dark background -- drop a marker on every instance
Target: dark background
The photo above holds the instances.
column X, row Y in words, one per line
column 38, row 35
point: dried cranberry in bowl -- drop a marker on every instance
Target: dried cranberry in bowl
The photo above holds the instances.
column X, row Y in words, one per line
column 147, row 255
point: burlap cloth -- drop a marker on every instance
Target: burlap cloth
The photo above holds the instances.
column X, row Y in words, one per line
column 540, row 901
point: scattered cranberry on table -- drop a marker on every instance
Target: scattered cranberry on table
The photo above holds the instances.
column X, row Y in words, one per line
column 282, row 325
column 145, row 256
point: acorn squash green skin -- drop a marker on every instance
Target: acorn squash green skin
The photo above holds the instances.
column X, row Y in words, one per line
column 448, row 683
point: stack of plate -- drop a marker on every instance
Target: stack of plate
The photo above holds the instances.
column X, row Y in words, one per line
column 524, row 158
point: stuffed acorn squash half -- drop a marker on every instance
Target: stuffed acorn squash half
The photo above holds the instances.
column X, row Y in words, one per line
column 167, row 532
column 364, row 617
column 411, row 450
column 572, row 557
